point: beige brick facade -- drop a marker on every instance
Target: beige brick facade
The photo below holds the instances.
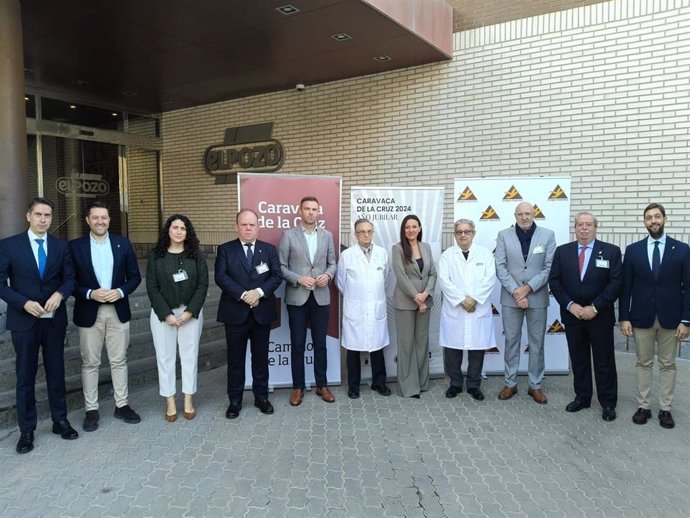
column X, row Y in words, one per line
column 600, row 93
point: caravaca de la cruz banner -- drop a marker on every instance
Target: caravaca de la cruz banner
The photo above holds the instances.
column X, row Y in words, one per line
column 276, row 199
column 490, row 203
column 386, row 207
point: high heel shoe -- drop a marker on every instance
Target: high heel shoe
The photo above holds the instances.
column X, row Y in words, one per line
column 190, row 415
column 171, row 418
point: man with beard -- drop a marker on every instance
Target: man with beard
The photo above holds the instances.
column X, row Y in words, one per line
column 655, row 308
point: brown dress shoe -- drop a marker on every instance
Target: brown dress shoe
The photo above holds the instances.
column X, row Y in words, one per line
column 507, row 393
column 296, row 397
column 538, row 396
column 325, row 394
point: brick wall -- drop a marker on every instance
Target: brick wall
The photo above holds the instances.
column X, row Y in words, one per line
column 600, row 93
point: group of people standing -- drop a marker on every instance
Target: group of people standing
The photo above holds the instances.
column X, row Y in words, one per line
column 39, row 272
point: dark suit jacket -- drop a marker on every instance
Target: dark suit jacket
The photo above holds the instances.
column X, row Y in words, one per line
column 18, row 265
column 600, row 285
column 126, row 277
column 643, row 299
column 234, row 276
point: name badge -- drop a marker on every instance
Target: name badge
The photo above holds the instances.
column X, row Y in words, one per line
column 602, row 263
column 48, row 314
column 538, row 250
column 261, row 268
column 180, row 276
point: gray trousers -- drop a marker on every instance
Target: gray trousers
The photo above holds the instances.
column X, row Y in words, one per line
column 536, row 330
column 452, row 365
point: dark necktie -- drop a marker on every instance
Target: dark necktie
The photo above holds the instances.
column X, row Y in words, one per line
column 466, row 253
column 250, row 254
column 656, row 260
column 42, row 257
column 581, row 259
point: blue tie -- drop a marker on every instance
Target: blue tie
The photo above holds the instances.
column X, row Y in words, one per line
column 250, row 254
column 656, row 260
column 42, row 258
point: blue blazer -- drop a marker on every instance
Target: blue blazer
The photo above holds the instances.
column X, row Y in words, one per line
column 18, row 266
column 234, row 276
column 643, row 299
column 126, row 277
column 600, row 286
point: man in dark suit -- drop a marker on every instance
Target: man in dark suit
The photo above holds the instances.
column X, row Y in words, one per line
column 586, row 278
column 307, row 262
column 39, row 270
column 106, row 273
column 248, row 272
column 655, row 308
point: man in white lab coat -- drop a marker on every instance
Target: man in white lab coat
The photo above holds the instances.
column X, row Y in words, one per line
column 361, row 278
column 467, row 275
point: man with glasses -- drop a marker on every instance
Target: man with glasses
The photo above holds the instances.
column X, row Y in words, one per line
column 524, row 253
column 467, row 276
column 362, row 278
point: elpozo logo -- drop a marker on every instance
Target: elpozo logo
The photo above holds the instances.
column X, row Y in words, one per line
column 467, row 195
column 557, row 194
column 247, row 149
column 512, row 194
column 489, row 214
column 555, row 328
column 538, row 214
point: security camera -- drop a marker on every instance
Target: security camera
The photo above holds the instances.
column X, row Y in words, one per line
column 299, row 87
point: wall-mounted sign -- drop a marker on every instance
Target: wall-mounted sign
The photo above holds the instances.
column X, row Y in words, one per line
column 247, row 149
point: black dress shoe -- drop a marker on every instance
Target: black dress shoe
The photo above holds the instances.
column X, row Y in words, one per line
column 576, row 406
column 353, row 394
column 65, row 430
column 264, row 406
column 666, row 419
column 608, row 414
column 382, row 390
column 26, row 442
column 416, row 396
column 233, row 411
column 476, row 393
column 453, row 391
column 90, row 421
column 127, row 414
column 642, row 415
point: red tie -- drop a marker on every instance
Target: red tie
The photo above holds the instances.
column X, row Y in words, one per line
column 581, row 259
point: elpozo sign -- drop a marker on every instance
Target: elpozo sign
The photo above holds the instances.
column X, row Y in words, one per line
column 245, row 149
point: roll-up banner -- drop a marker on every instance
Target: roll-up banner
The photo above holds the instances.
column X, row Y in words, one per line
column 490, row 203
column 386, row 207
column 276, row 199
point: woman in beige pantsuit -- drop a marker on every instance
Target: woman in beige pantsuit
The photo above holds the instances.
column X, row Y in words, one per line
column 415, row 276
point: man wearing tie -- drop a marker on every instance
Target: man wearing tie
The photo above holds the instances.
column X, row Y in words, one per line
column 39, row 270
column 307, row 262
column 655, row 308
column 248, row 272
column 585, row 279
column 523, row 260
column 106, row 273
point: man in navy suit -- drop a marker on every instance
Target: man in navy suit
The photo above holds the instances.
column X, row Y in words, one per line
column 39, row 270
column 106, row 273
column 655, row 308
column 248, row 272
column 585, row 279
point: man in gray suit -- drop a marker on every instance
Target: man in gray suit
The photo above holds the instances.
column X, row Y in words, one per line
column 307, row 262
column 524, row 253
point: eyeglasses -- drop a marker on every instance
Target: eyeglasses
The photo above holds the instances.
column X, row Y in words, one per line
column 364, row 232
column 464, row 232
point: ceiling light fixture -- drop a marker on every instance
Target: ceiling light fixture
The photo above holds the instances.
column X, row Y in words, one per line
column 341, row 36
column 72, row 106
column 383, row 57
column 287, row 9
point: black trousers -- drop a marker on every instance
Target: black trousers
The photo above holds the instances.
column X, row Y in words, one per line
column 51, row 340
column 311, row 315
column 354, row 369
column 236, row 337
column 590, row 343
column 452, row 364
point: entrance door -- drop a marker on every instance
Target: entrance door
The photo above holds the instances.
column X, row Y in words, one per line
column 75, row 173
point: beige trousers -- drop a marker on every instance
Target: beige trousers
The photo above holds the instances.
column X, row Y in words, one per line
column 667, row 345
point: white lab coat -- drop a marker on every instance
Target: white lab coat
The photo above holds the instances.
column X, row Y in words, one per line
column 363, row 285
column 457, row 278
